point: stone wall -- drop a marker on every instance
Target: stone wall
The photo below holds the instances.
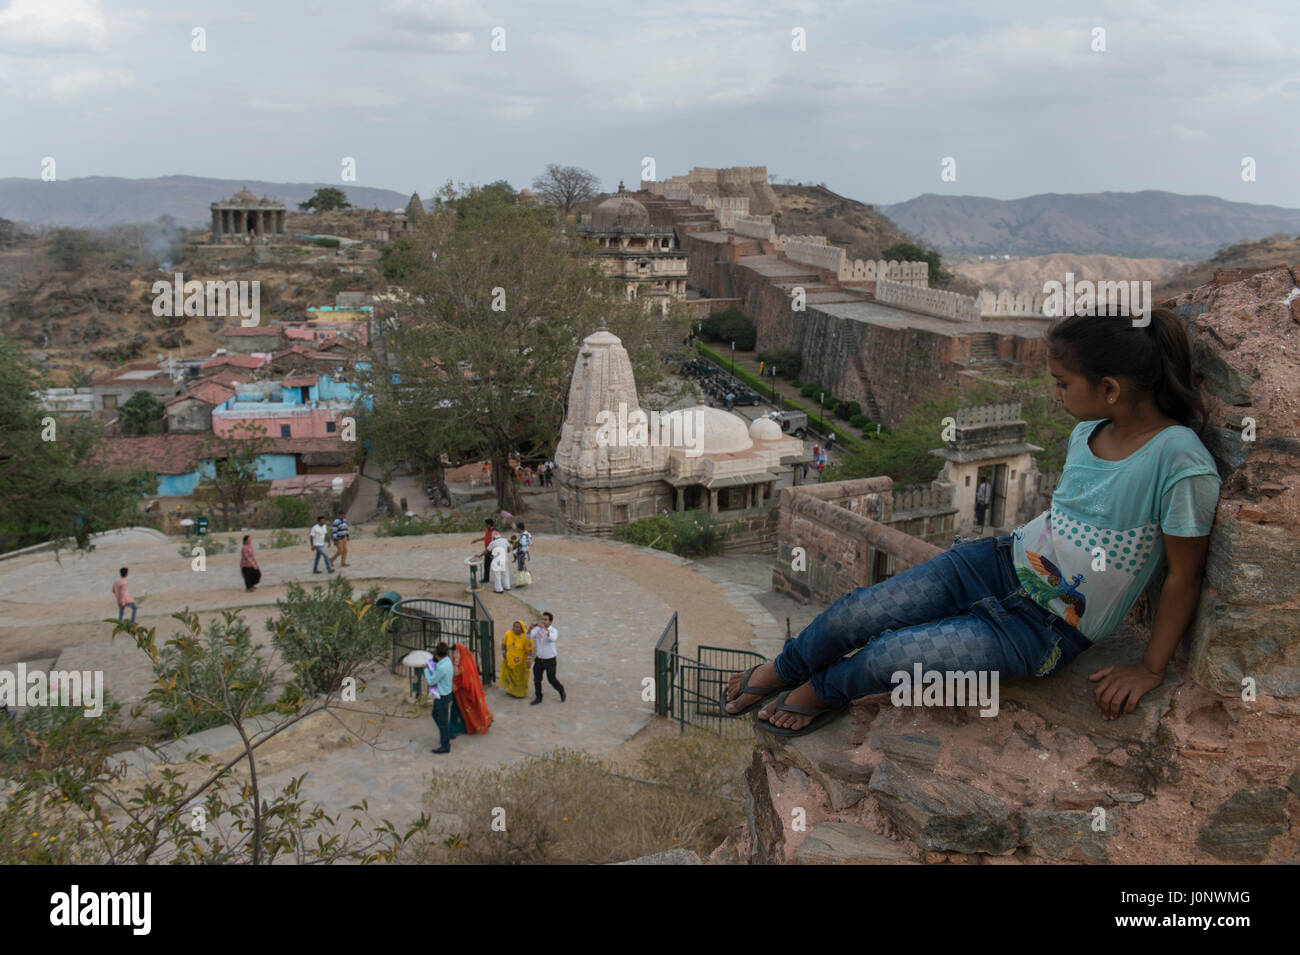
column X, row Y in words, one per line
column 841, row 529
column 1007, row 304
column 931, row 301
column 751, row 531
column 755, row 227
column 1246, row 348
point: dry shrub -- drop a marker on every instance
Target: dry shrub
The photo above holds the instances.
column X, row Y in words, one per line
column 570, row 807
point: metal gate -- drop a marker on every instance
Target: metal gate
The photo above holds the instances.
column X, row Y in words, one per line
column 691, row 690
column 422, row 622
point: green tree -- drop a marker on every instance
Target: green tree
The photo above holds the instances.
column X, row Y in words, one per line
column 908, row 252
column 326, row 200
column 565, row 187
column 71, row 248
column 65, row 799
column 9, row 232
column 399, row 260
column 235, row 471
column 142, row 414
column 904, row 453
column 480, row 363
column 53, row 485
column 326, row 635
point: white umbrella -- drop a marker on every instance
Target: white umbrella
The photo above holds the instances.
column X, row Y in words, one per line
column 417, row 658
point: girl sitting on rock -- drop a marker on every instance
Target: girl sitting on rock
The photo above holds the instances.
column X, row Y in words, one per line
column 1138, row 490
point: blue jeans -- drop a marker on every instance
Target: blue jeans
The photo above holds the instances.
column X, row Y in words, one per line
column 122, row 608
column 442, row 719
column 315, row 564
column 963, row 609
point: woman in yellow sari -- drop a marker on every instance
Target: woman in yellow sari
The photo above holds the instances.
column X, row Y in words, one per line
column 516, row 652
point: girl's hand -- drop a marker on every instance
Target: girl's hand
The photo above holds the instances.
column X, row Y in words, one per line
column 1121, row 686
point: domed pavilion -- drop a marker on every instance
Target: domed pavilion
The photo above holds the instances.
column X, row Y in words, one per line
column 244, row 216
column 644, row 258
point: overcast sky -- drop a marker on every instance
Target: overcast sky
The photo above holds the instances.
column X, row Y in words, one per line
column 412, row 89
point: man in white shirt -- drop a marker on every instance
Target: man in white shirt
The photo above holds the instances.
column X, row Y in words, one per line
column 544, row 637
column 319, row 534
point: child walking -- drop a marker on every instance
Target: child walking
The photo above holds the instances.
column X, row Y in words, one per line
column 1138, row 491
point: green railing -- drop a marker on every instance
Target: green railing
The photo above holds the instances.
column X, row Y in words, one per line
column 421, row 623
column 690, row 691
column 666, row 668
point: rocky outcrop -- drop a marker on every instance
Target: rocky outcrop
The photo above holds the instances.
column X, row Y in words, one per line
column 1245, row 331
column 1205, row 770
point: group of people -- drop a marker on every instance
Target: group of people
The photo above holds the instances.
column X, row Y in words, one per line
column 819, row 461
column 321, row 533
column 499, row 552
column 459, row 703
column 524, row 474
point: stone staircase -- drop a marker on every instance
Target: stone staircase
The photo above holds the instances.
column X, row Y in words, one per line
column 870, row 406
column 984, row 348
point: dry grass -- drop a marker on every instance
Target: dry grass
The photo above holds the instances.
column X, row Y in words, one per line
column 571, row 808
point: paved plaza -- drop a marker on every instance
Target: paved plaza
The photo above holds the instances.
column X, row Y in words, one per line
column 611, row 602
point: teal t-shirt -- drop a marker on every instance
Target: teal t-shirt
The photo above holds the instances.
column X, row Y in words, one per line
column 1090, row 556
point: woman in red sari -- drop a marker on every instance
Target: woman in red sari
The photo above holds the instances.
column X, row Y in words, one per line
column 467, row 691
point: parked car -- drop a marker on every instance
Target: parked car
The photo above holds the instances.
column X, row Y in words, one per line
column 791, row 422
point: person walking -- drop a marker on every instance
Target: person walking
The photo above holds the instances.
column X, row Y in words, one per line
column 516, row 652
column 500, row 562
column 544, row 638
column 341, row 533
column 525, row 545
column 319, row 534
column 123, row 596
column 248, row 565
column 439, row 674
column 489, row 527
column 830, row 441
column 983, row 494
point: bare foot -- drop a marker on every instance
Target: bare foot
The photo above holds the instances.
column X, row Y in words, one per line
column 803, row 696
column 765, row 675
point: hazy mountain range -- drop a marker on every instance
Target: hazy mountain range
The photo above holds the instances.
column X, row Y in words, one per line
column 1135, row 224
column 108, row 200
column 1151, row 223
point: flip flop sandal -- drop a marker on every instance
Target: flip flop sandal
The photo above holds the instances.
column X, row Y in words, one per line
column 820, row 717
column 765, row 692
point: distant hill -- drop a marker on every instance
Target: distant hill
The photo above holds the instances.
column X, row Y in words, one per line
column 1030, row 273
column 1264, row 253
column 814, row 210
column 108, row 200
column 1133, row 224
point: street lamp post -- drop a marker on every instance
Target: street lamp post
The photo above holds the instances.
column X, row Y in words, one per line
column 821, row 397
column 733, row 359
column 774, row 385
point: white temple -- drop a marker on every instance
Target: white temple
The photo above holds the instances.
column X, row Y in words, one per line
column 615, row 463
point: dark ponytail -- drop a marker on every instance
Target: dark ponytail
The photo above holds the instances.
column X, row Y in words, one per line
column 1156, row 359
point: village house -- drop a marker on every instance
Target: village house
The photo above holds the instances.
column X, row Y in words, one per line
column 297, row 406
column 258, row 339
column 67, row 402
column 191, row 411
column 112, row 389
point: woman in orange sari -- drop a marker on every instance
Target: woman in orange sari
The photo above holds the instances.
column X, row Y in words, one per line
column 467, row 691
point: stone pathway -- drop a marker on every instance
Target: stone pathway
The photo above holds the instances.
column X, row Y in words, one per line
column 611, row 602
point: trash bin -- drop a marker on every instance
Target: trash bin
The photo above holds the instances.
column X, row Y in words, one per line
column 387, row 600
column 201, row 526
